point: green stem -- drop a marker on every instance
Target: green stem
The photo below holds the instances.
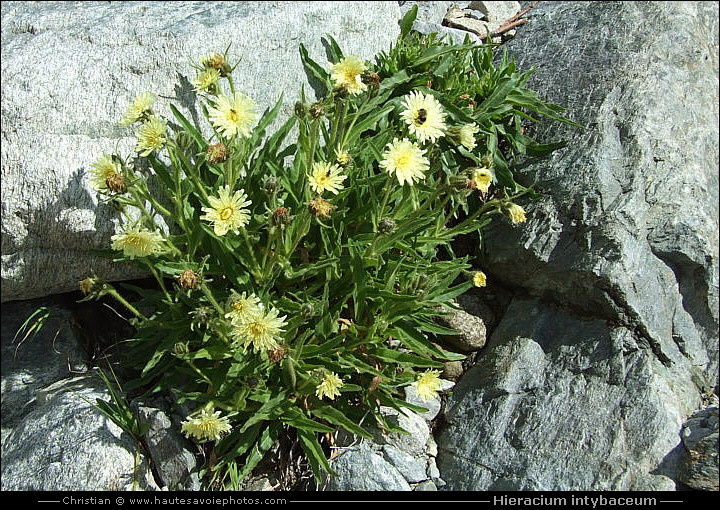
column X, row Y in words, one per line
column 114, row 293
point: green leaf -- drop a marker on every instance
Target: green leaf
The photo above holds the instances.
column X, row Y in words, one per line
column 336, row 54
column 259, row 449
column 336, row 417
column 190, row 128
column 314, row 453
column 407, row 21
column 313, row 67
column 295, row 417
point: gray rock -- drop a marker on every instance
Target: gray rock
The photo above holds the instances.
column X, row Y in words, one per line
column 471, row 328
column 427, row 485
column 361, row 469
column 169, row 451
column 452, row 370
column 434, row 473
column 411, row 468
column 69, row 72
column 29, row 365
column 414, row 442
column 496, row 12
column 699, row 466
column 66, row 444
column 562, row 403
column 619, row 232
column 585, row 385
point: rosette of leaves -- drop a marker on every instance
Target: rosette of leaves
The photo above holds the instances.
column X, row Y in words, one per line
column 360, row 284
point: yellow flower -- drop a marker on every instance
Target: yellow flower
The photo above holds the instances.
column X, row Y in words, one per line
column 406, row 160
column 139, row 108
column 424, row 116
column 428, row 385
column 206, row 80
column 152, row 135
column 348, row 74
column 483, row 177
column 207, row 425
column 103, row 169
column 326, row 177
column 226, row 212
column 234, row 115
column 243, row 307
column 479, row 279
column 260, row 329
column 516, row 213
column 137, row 242
column 467, row 135
column 329, row 387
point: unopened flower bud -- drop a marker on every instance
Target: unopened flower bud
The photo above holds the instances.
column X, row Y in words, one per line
column 217, row 153
column 90, row 285
column 320, row 207
column 271, row 185
column 458, row 182
column 187, row 279
column 181, row 348
column 317, row 110
column 306, row 311
column 343, row 159
column 301, row 109
column 386, row 225
column 515, row 212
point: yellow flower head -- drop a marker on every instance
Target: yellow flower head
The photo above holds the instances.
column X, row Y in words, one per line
column 467, row 135
column 102, row 170
column 406, row 160
column 424, row 116
column 234, row 115
column 137, row 242
column 329, row 387
column 326, row 177
column 206, row 425
column 479, row 279
column 227, row 212
column 261, row 329
column 206, row 80
column 515, row 213
column 348, row 74
column 428, row 385
column 139, row 108
column 483, row 177
column 243, row 307
column 152, row 136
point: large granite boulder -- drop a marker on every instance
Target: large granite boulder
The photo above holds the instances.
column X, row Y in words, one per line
column 69, row 72
column 605, row 352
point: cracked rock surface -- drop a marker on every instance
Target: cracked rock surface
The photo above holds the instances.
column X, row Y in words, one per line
column 612, row 335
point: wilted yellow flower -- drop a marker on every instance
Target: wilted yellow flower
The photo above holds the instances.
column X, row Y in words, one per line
column 348, row 74
column 206, row 425
column 217, row 153
column 103, row 169
column 326, row 177
column 406, row 160
column 515, row 213
column 261, row 329
column 234, row 115
column 483, row 178
column 320, row 207
column 479, row 279
column 243, row 307
column 329, row 387
column 424, row 116
column 152, row 136
column 213, row 61
column 139, row 108
column 227, row 212
column 206, row 80
column 137, row 242
column 428, row 385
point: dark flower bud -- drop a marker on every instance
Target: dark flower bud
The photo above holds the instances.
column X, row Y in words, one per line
column 386, row 225
column 281, row 217
column 187, row 279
